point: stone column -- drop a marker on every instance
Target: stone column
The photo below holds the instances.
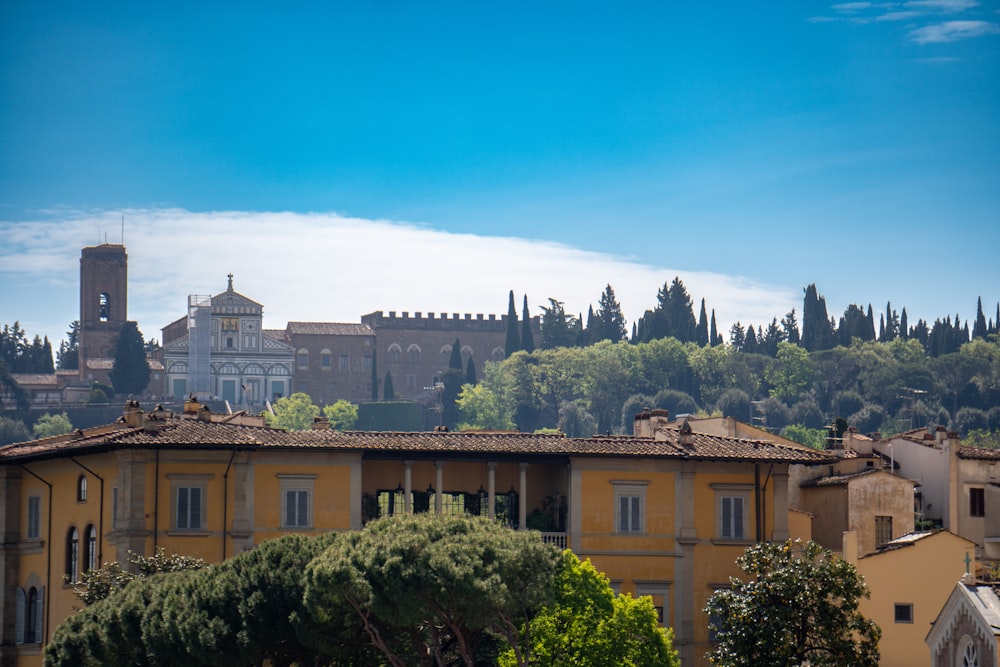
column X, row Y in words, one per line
column 438, row 485
column 408, row 486
column 522, row 489
column 491, row 488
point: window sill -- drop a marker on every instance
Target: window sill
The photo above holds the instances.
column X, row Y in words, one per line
column 188, row 533
column 730, row 542
column 31, row 546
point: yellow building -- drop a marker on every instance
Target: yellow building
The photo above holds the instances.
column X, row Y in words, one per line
column 909, row 579
column 664, row 513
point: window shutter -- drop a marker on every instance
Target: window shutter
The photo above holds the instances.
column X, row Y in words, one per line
column 39, row 614
column 727, row 517
column 19, row 619
column 635, row 513
column 182, row 508
column 289, row 508
column 738, row 517
column 303, row 509
column 195, row 523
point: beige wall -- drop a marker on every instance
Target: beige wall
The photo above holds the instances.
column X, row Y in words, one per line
column 922, row 575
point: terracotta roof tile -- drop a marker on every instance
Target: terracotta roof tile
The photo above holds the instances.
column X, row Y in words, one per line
column 329, row 329
column 187, row 433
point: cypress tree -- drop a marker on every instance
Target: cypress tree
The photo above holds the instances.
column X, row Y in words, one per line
column 387, row 391
column 750, row 342
column 701, row 333
column 455, row 359
column 470, row 372
column 527, row 339
column 130, row 372
column 715, row 338
column 904, row 331
column 817, row 332
column 979, row 330
column 513, row 342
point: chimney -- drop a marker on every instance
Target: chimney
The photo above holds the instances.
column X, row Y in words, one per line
column 686, row 435
column 132, row 414
column 204, row 414
column 191, row 405
column 152, row 422
column 321, row 423
column 640, row 426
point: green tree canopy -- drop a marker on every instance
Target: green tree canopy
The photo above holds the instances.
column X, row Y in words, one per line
column 130, row 372
column 293, row 413
column 343, row 415
column 49, row 425
column 426, row 585
column 589, row 626
column 798, row 604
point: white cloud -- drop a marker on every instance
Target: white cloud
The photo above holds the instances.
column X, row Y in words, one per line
column 952, row 31
column 852, row 6
column 950, row 6
column 327, row 267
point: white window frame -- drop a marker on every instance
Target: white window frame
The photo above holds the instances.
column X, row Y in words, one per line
column 33, row 526
column 630, row 499
column 292, row 487
column 732, row 525
column 181, row 486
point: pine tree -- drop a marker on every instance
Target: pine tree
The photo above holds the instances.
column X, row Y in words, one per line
column 610, row 319
column 701, row 333
column 527, row 339
column 791, row 326
column 513, row 342
column 68, row 357
column 558, row 328
column 130, row 371
column 737, row 336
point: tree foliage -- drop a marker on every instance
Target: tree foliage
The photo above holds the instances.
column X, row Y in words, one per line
column 293, row 413
column 799, row 603
column 343, row 415
column 130, row 371
column 587, row 625
column 98, row 584
column 50, row 425
column 430, row 589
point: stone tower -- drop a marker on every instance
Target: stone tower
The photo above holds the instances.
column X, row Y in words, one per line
column 103, row 301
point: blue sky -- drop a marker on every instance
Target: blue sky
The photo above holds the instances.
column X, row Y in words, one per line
column 460, row 150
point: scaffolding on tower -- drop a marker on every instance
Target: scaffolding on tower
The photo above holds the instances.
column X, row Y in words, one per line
column 199, row 322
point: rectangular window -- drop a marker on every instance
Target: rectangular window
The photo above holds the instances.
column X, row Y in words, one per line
column 883, row 530
column 345, row 361
column 366, row 362
column 977, row 502
column 188, row 508
column 391, row 502
column 34, row 517
column 630, row 506
column 230, row 343
column 296, row 500
column 903, row 613
column 732, row 518
column 296, row 509
column 628, row 514
column 325, row 360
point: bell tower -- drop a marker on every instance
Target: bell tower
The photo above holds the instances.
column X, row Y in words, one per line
column 103, row 301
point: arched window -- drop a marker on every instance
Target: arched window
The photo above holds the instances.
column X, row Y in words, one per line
column 498, row 354
column 445, row 355
column 413, row 354
column 394, row 353
column 73, row 556
column 90, row 556
column 325, row 359
column 466, row 355
column 970, row 654
column 81, row 489
column 302, row 358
